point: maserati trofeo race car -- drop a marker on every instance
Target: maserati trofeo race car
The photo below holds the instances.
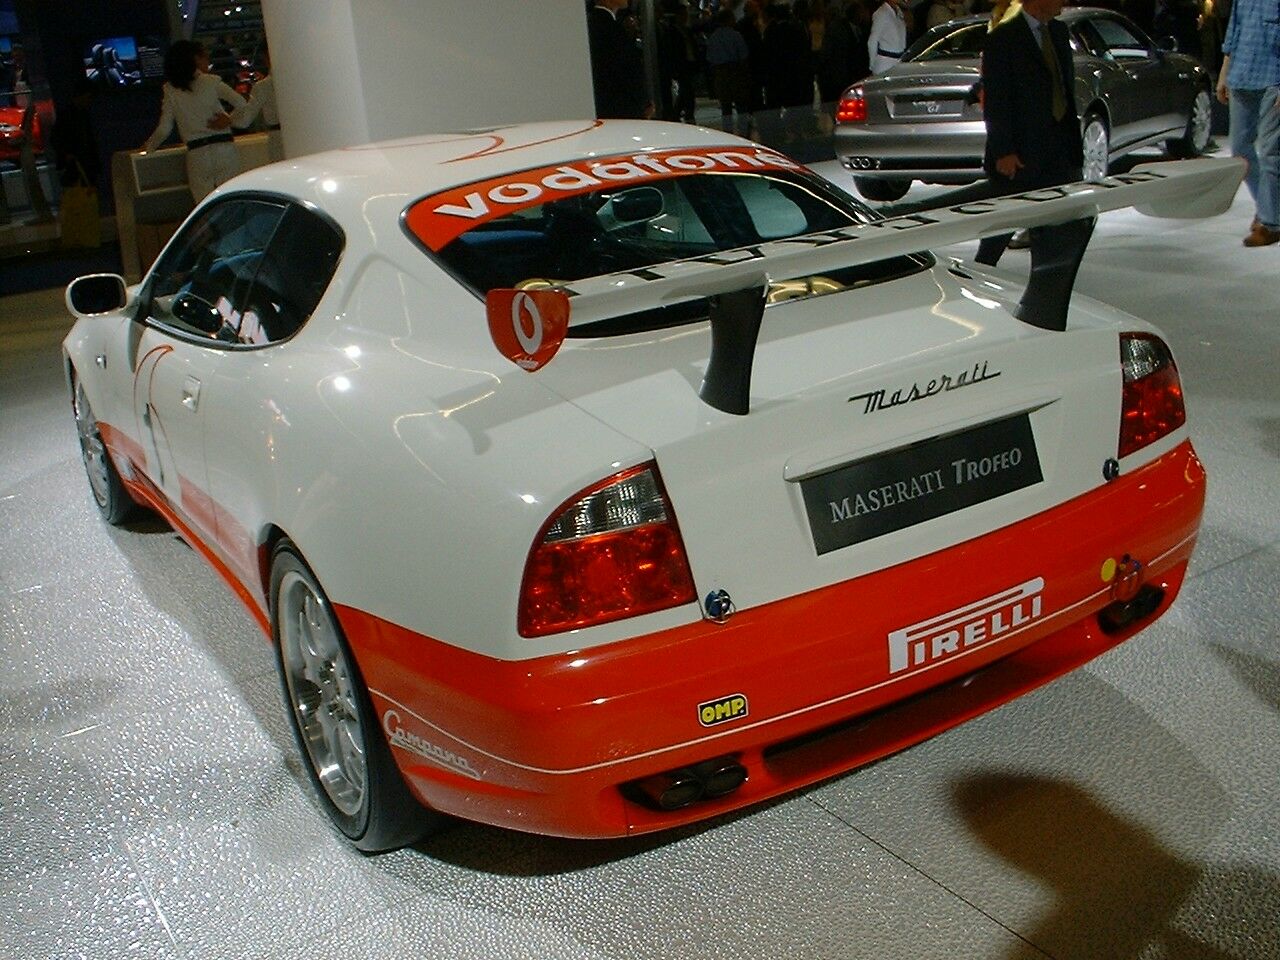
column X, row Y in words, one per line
column 596, row 478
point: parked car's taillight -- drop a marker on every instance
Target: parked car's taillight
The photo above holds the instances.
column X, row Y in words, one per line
column 852, row 107
column 1152, row 405
column 613, row 551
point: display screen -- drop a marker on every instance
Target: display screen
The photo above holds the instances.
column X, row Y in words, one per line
column 8, row 19
column 122, row 61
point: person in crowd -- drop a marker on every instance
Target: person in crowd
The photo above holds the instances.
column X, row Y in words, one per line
column 75, row 143
column 1249, row 83
column 838, row 56
column 788, row 84
column 857, row 14
column 728, row 59
column 22, row 97
column 1178, row 19
column 194, row 102
column 617, row 66
column 262, row 101
column 751, row 26
column 813, row 17
column 678, row 61
column 1214, row 16
column 1033, row 134
column 887, row 41
column 940, row 11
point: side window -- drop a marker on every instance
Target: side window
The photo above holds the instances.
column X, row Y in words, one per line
column 200, row 286
column 1083, row 36
column 1121, row 42
column 248, row 272
column 291, row 278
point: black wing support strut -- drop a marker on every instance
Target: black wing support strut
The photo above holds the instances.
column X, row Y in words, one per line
column 735, row 327
column 1056, row 253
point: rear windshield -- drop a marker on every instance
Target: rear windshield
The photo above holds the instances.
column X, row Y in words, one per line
column 550, row 226
column 947, row 42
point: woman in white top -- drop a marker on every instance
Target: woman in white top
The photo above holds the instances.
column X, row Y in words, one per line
column 887, row 40
column 263, row 100
column 193, row 99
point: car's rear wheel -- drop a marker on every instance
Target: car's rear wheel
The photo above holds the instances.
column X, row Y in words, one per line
column 112, row 499
column 1097, row 148
column 1195, row 140
column 333, row 719
column 882, row 191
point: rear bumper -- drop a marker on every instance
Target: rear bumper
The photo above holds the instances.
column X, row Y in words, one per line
column 830, row 680
column 938, row 152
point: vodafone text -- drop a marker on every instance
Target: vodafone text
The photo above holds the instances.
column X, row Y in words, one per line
column 574, row 178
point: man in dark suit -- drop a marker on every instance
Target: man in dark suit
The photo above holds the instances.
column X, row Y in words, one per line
column 1033, row 132
column 617, row 66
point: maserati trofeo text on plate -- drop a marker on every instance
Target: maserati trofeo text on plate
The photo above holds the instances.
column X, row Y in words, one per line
column 596, row 478
column 923, row 119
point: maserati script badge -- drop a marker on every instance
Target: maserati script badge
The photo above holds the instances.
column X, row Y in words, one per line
column 883, row 400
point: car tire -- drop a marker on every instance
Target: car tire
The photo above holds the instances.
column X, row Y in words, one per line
column 109, row 493
column 336, row 729
column 882, row 191
column 1097, row 147
column 1195, row 140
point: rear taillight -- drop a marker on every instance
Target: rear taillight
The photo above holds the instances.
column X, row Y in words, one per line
column 1152, row 405
column 613, row 551
column 852, row 107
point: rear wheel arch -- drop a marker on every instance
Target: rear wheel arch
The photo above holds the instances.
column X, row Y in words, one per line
column 329, row 705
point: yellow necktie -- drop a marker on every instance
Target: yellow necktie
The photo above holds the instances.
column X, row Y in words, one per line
column 1051, row 60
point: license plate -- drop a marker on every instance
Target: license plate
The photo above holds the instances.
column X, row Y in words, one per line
column 870, row 498
column 926, row 107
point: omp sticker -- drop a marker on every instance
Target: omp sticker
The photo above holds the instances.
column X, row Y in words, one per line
column 439, row 219
column 722, row 710
column 405, row 739
column 975, row 624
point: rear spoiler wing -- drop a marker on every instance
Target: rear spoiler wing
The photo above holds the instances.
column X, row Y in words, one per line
column 736, row 281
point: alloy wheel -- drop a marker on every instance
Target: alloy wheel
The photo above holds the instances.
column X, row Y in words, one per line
column 323, row 693
column 92, row 450
column 1201, row 122
column 1096, row 150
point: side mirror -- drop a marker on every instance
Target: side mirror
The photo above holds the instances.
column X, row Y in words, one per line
column 194, row 312
column 637, row 204
column 96, row 294
column 1167, row 45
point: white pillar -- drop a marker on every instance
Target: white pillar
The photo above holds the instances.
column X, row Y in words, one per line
column 355, row 71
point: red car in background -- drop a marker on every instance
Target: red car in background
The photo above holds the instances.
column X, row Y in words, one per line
column 11, row 132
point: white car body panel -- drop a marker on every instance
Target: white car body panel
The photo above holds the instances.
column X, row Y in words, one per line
column 413, row 465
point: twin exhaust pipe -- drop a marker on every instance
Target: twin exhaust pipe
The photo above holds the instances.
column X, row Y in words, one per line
column 680, row 788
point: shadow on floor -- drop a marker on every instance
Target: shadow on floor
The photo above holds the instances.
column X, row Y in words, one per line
column 1118, row 890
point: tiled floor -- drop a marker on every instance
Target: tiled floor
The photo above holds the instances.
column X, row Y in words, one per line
column 151, row 804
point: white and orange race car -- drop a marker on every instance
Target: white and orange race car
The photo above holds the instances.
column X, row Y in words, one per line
column 596, row 478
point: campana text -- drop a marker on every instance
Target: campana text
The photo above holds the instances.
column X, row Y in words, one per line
column 398, row 736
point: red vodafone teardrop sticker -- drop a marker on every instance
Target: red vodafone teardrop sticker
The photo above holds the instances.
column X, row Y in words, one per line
column 528, row 326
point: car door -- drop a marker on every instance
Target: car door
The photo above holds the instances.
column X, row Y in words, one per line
column 246, row 406
column 1137, row 80
column 189, row 316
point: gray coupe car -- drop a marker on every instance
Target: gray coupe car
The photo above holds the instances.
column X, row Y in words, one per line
column 920, row 122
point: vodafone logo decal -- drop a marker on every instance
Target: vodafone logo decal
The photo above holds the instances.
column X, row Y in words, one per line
column 523, row 305
column 528, row 326
column 439, row 219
